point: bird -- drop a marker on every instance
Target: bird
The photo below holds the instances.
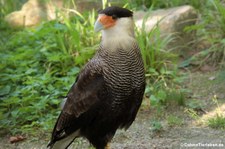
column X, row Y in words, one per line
column 108, row 90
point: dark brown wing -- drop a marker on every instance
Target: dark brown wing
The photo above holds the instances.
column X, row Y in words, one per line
column 81, row 97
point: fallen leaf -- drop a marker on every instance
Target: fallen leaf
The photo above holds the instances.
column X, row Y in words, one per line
column 14, row 139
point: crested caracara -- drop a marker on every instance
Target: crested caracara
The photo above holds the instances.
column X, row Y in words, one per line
column 108, row 90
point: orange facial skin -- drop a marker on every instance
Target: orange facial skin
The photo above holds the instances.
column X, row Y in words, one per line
column 106, row 21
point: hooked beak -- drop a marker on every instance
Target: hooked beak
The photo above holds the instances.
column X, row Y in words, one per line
column 98, row 26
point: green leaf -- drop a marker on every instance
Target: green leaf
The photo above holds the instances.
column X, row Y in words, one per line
column 154, row 100
column 5, row 90
column 185, row 63
column 161, row 95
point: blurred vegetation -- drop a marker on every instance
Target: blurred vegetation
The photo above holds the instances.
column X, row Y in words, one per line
column 38, row 65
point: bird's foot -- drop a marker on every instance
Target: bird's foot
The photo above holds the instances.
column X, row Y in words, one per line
column 107, row 146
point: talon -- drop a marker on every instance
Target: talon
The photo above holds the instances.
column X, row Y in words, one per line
column 107, row 146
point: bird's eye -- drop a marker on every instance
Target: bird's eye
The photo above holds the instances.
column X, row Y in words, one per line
column 114, row 17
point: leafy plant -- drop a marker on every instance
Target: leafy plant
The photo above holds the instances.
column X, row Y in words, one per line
column 217, row 122
column 192, row 113
column 210, row 32
column 156, row 126
column 9, row 6
column 173, row 120
column 195, row 104
column 38, row 66
column 163, row 96
column 164, row 3
column 162, row 77
column 154, row 47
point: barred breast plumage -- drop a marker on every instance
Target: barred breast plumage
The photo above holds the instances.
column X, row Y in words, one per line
column 123, row 70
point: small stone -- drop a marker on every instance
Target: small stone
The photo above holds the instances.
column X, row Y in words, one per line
column 212, row 78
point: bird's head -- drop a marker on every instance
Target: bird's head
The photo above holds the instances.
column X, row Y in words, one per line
column 116, row 24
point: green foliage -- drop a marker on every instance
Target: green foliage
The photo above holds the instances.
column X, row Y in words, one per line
column 9, row 6
column 164, row 89
column 164, row 3
column 195, row 104
column 165, row 97
column 156, row 126
column 162, row 79
column 210, row 30
column 38, row 66
column 192, row 113
column 173, row 120
column 159, row 71
column 221, row 76
column 217, row 122
column 154, row 47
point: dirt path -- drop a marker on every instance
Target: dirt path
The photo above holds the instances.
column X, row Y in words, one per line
column 140, row 136
column 193, row 133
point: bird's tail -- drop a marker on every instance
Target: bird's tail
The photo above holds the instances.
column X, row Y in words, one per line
column 64, row 142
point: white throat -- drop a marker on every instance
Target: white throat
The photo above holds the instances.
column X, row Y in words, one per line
column 120, row 36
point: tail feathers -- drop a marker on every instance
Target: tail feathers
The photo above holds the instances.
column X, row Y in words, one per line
column 63, row 143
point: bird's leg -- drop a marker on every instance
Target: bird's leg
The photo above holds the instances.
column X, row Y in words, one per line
column 107, row 146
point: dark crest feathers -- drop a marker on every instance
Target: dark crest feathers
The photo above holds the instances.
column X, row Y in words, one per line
column 116, row 12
